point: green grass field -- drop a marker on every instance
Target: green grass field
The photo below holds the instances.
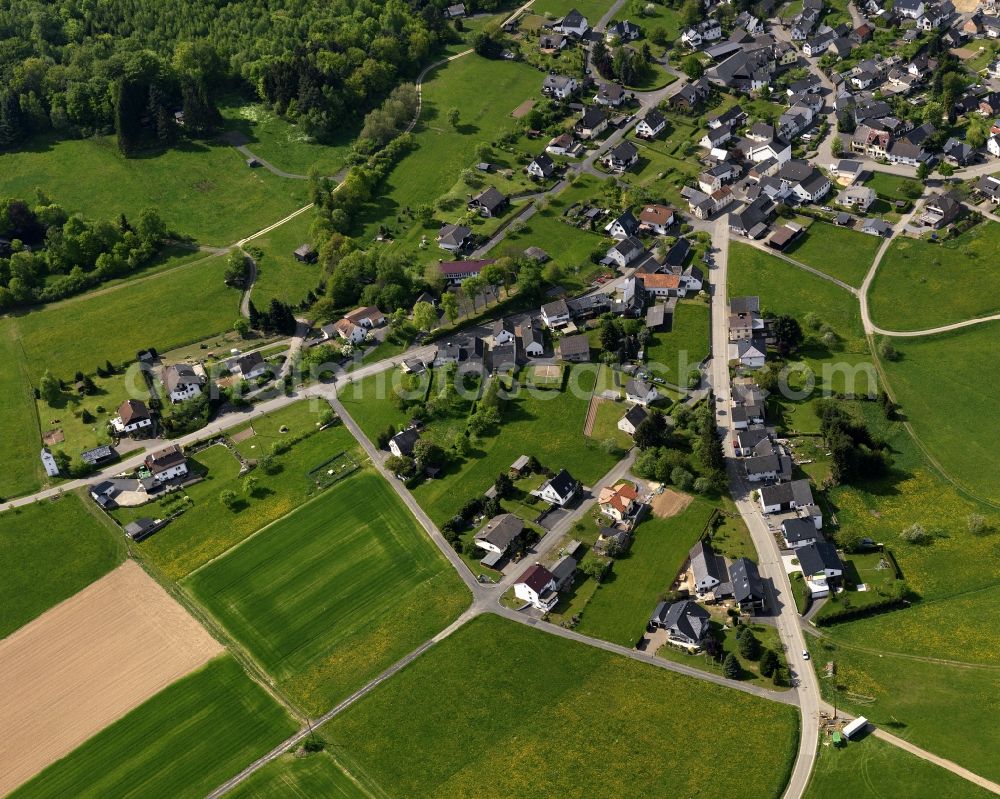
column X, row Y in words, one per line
column 333, row 594
column 676, row 354
column 546, row 424
column 947, row 395
column 52, row 550
column 839, row 252
column 112, row 324
column 22, row 471
column 183, row 742
column 201, row 190
column 606, row 424
column 281, row 143
column 872, row 769
column 620, row 608
column 317, row 775
column 208, row 528
column 443, row 151
column 279, row 275
column 564, row 719
column 920, row 285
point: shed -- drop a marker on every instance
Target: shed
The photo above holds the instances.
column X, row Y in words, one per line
column 306, row 253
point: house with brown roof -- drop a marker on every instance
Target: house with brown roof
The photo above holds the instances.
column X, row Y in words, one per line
column 537, row 587
column 619, row 502
column 656, row 218
column 167, row 464
column 368, row 316
column 133, row 417
column 454, row 272
column 574, row 348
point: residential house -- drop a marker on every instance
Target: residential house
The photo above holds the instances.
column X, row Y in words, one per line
column 541, row 167
column 633, row 417
column 503, row 331
column 619, row 502
column 620, row 157
column 133, row 417
column 456, row 11
column 367, row 316
column 182, row 382
column 498, row 534
column 993, row 145
column 940, row 210
column 860, row 198
column 573, row 24
column 712, row 179
column 575, row 349
column 468, row 351
column 455, row 272
column 747, row 586
column 708, row 570
column 612, row 542
column 650, row 125
column 707, row 30
column 750, row 220
column 876, row 227
column 657, row 219
column 98, row 455
column 250, row 366
column 560, row 87
column 623, row 31
column 909, row 9
column 550, row 43
column 746, row 441
column 593, row 122
column 560, row 145
column 489, row 202
column 799, row 533
column 989, row 187
column 820, row 563
column 555, row 313
column 750, row 353
column 453, row 238
column 640, row 392
column 49, row 462
column 692, row 96
column 785, row 496
column 167, row 464
column 715, row 137
column 563, row 571
column 748, row 22
column 537, row 587
column 958, row 152
column 686, row 622
column 806, row 183
column 559, row 490
column 624, row 252
column 610, row 94
column 745, row 320
column 622, row 226
column 401, row 444
column 532, row 339
column 344, row 329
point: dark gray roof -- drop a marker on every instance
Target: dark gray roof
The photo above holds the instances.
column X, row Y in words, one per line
column 797, row 491
column 592, row 117
column 816, row 557
column 636, row 415
column 563, row 483
column 799, row 530
column 745, row 579
column 705, row 562
column 405, row 440
column 501, row 530
column 687, row 618
column 744, row 305
column 637, row 387
column 574, row 345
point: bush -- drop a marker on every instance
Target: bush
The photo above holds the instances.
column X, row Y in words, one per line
column 915, row 534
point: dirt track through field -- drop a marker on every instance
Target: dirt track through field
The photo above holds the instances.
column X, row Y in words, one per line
column 588, row 425
column 87, row 662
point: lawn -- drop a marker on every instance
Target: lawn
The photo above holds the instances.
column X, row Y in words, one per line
column 281, row 143
column 872, row 769
column 112, row 324
column 593, row 10
column 316, row 775
column 920, row 285
column 183, row 742
column 622, row 605
column 891, row 187
column 836, row 251
column 202, row 190
column 443, row 151
column 333, row 594
column 279, row 275
column 22, row 471
column 52, row 549
column 559, row 716
column 948, row 397
column 606, row 424
column 932, row 705
column 674, row 355
column 207, row 528
column 66, row 414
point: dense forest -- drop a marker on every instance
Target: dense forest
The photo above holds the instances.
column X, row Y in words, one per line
column 46, row 254
column 79, row 67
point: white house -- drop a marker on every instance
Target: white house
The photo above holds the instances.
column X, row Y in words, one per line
column 820, row 564
column 49, row 463
column 860, row 197
column 707, row 568
column 633, row 417
column 499, row 533
column 639, row 392
column 625, row 251
column 559, row 490
column 622, row 226
column 401, row 444
column 555, row 313
column 167, row 464
column 619, row 502
column 785, row 496
column 541, row 167
column 650, row 125
column 656, row 218
column 562, row 87
column 799, row 533
column 574, row 23
column 503, row 332
column 750, row 353
column 532, row 340
column 181, row 382
column 344, row 329
column 537, row 586
column 133, row 416
column 251, row 366
column 993, row 145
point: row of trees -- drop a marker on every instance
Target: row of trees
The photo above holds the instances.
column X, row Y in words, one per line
column 855, row 453
column 55, row 255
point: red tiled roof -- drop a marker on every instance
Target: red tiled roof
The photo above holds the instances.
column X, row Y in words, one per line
column 449, row 268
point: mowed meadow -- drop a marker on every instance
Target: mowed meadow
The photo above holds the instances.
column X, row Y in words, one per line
column 182, row 743
column 204, row 191
column 517, row 712
column 328, row 597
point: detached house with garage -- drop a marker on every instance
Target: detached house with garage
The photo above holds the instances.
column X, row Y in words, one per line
column 497, row 536
column 559, row 490
column 620, row 157
column 559, row 87
column 592, row 124
column 541, row 167
column 785, row 496
column 573, row 24
column 650, row 125
column 489, row 203
column 401, row 444
column 555, row 313
column 799, row 533
column 747, row 585
column 537, row 587
column 623, row 226
column 453, row 238
column 821, row 566
column 182, row 382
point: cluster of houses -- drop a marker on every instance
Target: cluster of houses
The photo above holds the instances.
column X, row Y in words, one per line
column 160, row 469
